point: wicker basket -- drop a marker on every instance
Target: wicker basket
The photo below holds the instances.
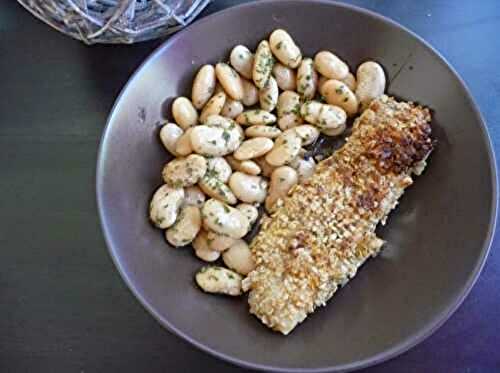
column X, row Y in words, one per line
column 115, row 21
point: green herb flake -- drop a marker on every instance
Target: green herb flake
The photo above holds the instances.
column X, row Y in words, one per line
column 177, row 184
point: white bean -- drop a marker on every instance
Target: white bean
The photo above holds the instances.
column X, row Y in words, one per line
column 184, row 112
column 350, row 81
column 253, row 148
column 219, row 280
column 212, row 140
column 219, row 242
column 184, row 172
column 304, row 167
column 255, row 117
column 236, row 133
column 215, row 188
column 224, row 219
column 329, row 65
column 250, row 211
column 262, row 131
column 307, row 133
column 203, row 86
column 201, row 249
column 284, row 48
column 250, row 93
column 232, row 108
column 239, row 258
column 194, row 196
column 220, row 168
column 371, row 82
column 268, row 96
column 213, row 106
column 183, row 146
column 165, row 205
column 223, row 122
column 248, row 167
column 338, row 93
column 289, row 110
column 285, row 77
column 207, row 255
column 186, row 227
column 282, row 181
column 285, row 149
column 333, row 131
column 230, row 80
column 332, row 119
column 169, row 135
column 248, row 188
column 263, row 64
column 310, row 111
column 307, row 79
column 242, row 60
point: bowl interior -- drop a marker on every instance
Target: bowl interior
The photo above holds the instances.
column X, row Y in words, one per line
column 437, row 238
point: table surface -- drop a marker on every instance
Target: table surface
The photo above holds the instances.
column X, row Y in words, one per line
column 64, row 306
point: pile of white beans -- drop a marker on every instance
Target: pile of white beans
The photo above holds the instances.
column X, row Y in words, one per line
column 238, row 143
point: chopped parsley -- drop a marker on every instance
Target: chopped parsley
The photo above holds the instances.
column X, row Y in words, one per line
column 296, row 109
column 177, row 183
column 226, row 136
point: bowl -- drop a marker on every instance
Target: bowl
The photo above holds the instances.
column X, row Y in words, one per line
column 437, row 239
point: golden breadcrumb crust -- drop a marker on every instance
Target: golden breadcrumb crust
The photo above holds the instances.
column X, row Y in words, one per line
column 325, row 229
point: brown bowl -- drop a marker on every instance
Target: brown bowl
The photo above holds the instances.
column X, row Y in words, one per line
column 437, row 239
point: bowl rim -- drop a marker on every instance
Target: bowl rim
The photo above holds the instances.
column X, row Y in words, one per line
column 410, row 342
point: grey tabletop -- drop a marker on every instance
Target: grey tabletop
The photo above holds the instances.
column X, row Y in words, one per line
column 64, row 306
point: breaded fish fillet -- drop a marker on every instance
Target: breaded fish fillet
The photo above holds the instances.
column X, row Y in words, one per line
column 325, row 229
